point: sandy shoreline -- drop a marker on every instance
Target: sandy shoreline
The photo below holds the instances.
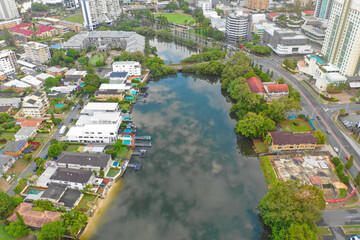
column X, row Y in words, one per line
column 103, row 205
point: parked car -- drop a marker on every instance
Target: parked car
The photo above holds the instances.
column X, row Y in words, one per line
column 357, row 237
column 328, row 132
column 336, row 149
column 318, row 118
column 35, row 168
column 71, row 120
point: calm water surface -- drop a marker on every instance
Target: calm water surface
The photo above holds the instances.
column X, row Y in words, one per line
column 198, row 181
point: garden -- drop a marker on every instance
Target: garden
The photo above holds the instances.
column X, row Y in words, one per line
column 297, row 125
column 178, row 18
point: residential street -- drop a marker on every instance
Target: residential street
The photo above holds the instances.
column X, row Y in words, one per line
column 30, row 169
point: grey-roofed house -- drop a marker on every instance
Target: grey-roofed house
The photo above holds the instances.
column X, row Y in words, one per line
column 70, row 198
column 6, row 162
column 14, row 148
column 14, row 102
column 89, row 161
column 25, row 133
column 74, row 178
column 54, row 192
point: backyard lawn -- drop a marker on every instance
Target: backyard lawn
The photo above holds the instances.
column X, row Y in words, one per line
column 82, row 206
column 97, row 57
column 72, row 148
column 302, row 125
column 178, row 18
column 268, row 170
column 260, row 146
column 8, row 135
column 122, row 152
column 75, row 18
column 112, row 172
column 41, row 137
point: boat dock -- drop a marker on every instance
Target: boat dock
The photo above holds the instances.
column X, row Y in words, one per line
column 136, row 166
column 146, row 138
column 142, row 144
column 141, row 153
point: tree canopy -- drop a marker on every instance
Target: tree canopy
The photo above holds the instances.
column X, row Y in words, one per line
column 52, row 231
column 292, row 206
column 254, row 125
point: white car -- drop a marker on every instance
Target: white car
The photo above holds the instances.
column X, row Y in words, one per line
column 336, row 149
column 355, row 238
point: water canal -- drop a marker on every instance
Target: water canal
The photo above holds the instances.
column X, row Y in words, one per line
column 198, row 181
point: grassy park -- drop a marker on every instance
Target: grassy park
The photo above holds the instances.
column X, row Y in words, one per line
column 178, row 18
column 75, row 18
column 298, row 125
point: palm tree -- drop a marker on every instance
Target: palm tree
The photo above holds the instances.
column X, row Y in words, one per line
column 268, row 139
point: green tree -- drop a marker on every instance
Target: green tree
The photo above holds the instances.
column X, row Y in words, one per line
column 287, row 206
column 52, row 231
column 54, row 150
column 72, row 53
column 357, row 179
column 28, row 157
column 74, row 221
column 349, row 162
column 17, row 229
column 51, row 82
column 254, row 125
column 342, row 112
column 6, row 205
column 320, row 136
column 280, row 81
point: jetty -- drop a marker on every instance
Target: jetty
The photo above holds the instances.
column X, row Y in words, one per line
column 141, row 153
column 142, row 144
column 136, row 166
column 145, row 138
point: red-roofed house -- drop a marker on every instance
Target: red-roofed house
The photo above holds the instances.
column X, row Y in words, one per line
column 24, row 122
column 273, row 15
column 276, row 90
column 269, row 90
column 23, row 29
column 35, row 219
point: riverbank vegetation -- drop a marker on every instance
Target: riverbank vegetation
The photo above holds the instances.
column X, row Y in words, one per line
column 208, row 54
column 291, row 210
column 256, row 116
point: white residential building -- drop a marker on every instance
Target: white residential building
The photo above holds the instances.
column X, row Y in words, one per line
column 8, row 63
column 323, row 72
column 6, row 162
column 238, row 25
column 205, row 5
column 93, row 133
column 118, row 87
column 92, row 107
column 17, row 85
column 100, row 118
column 342, row 39
column 133, row 68
column 33, row 81
column 118, row 77
column 35, row 105
column 37, row 52
column 323, row 8
column 71, row 4
column 99, row 11
column 8, row 9
column 14, row 102
column 25, row 133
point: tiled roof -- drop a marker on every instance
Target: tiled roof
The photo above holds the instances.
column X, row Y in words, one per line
column 72, row 175
column 4, row 108
column 43, row 28
column 255, row 85
column 308, row 12
column 84, row 159
column 34, row 218
column 20, row 29
column 29, row 122
column 284, row 138
column 275, row 88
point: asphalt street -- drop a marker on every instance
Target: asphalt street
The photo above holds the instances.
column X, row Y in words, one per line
column 73, row 114
column 314, row 108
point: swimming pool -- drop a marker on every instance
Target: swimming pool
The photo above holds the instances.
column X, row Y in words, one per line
column 318, row 59
column 59, row 105
column 127, row 119
column 129, row 98
column 34, row 191
column 128, row 130
column 82, row 84
column 127, row 142
column 115, row 164
column 133, row 92
column 127, row 136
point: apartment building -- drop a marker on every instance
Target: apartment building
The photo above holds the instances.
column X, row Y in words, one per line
column 8, row 63
column 238, row 25
column 99, row 11
column 8, row 9
column 257, row 4
column 282, row 141
column 35, row 105
column 37, row 52
column 71, row 4
column 342, row 40
column 10, row 23
column 93, row 107
column 131, row 67
column 323, row 9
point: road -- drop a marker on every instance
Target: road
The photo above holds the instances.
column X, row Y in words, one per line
column 314, row 108
column 74, row 114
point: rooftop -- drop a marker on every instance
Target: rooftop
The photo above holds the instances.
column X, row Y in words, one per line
column 54, row 191
column 114, row 86
column 43, row 76
column 4, row 108
column 17, row 84
column 126, row 63
column 14, row 146
column 25, row 131
column 72, row 175
column 31, row 80
column 4, row 159
column 284, row 138
column 70, row 197
column 84, row 159
column 276, row 88
column 255, row 85
column 101, row 106
column 118, row 74
column 34, row 218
